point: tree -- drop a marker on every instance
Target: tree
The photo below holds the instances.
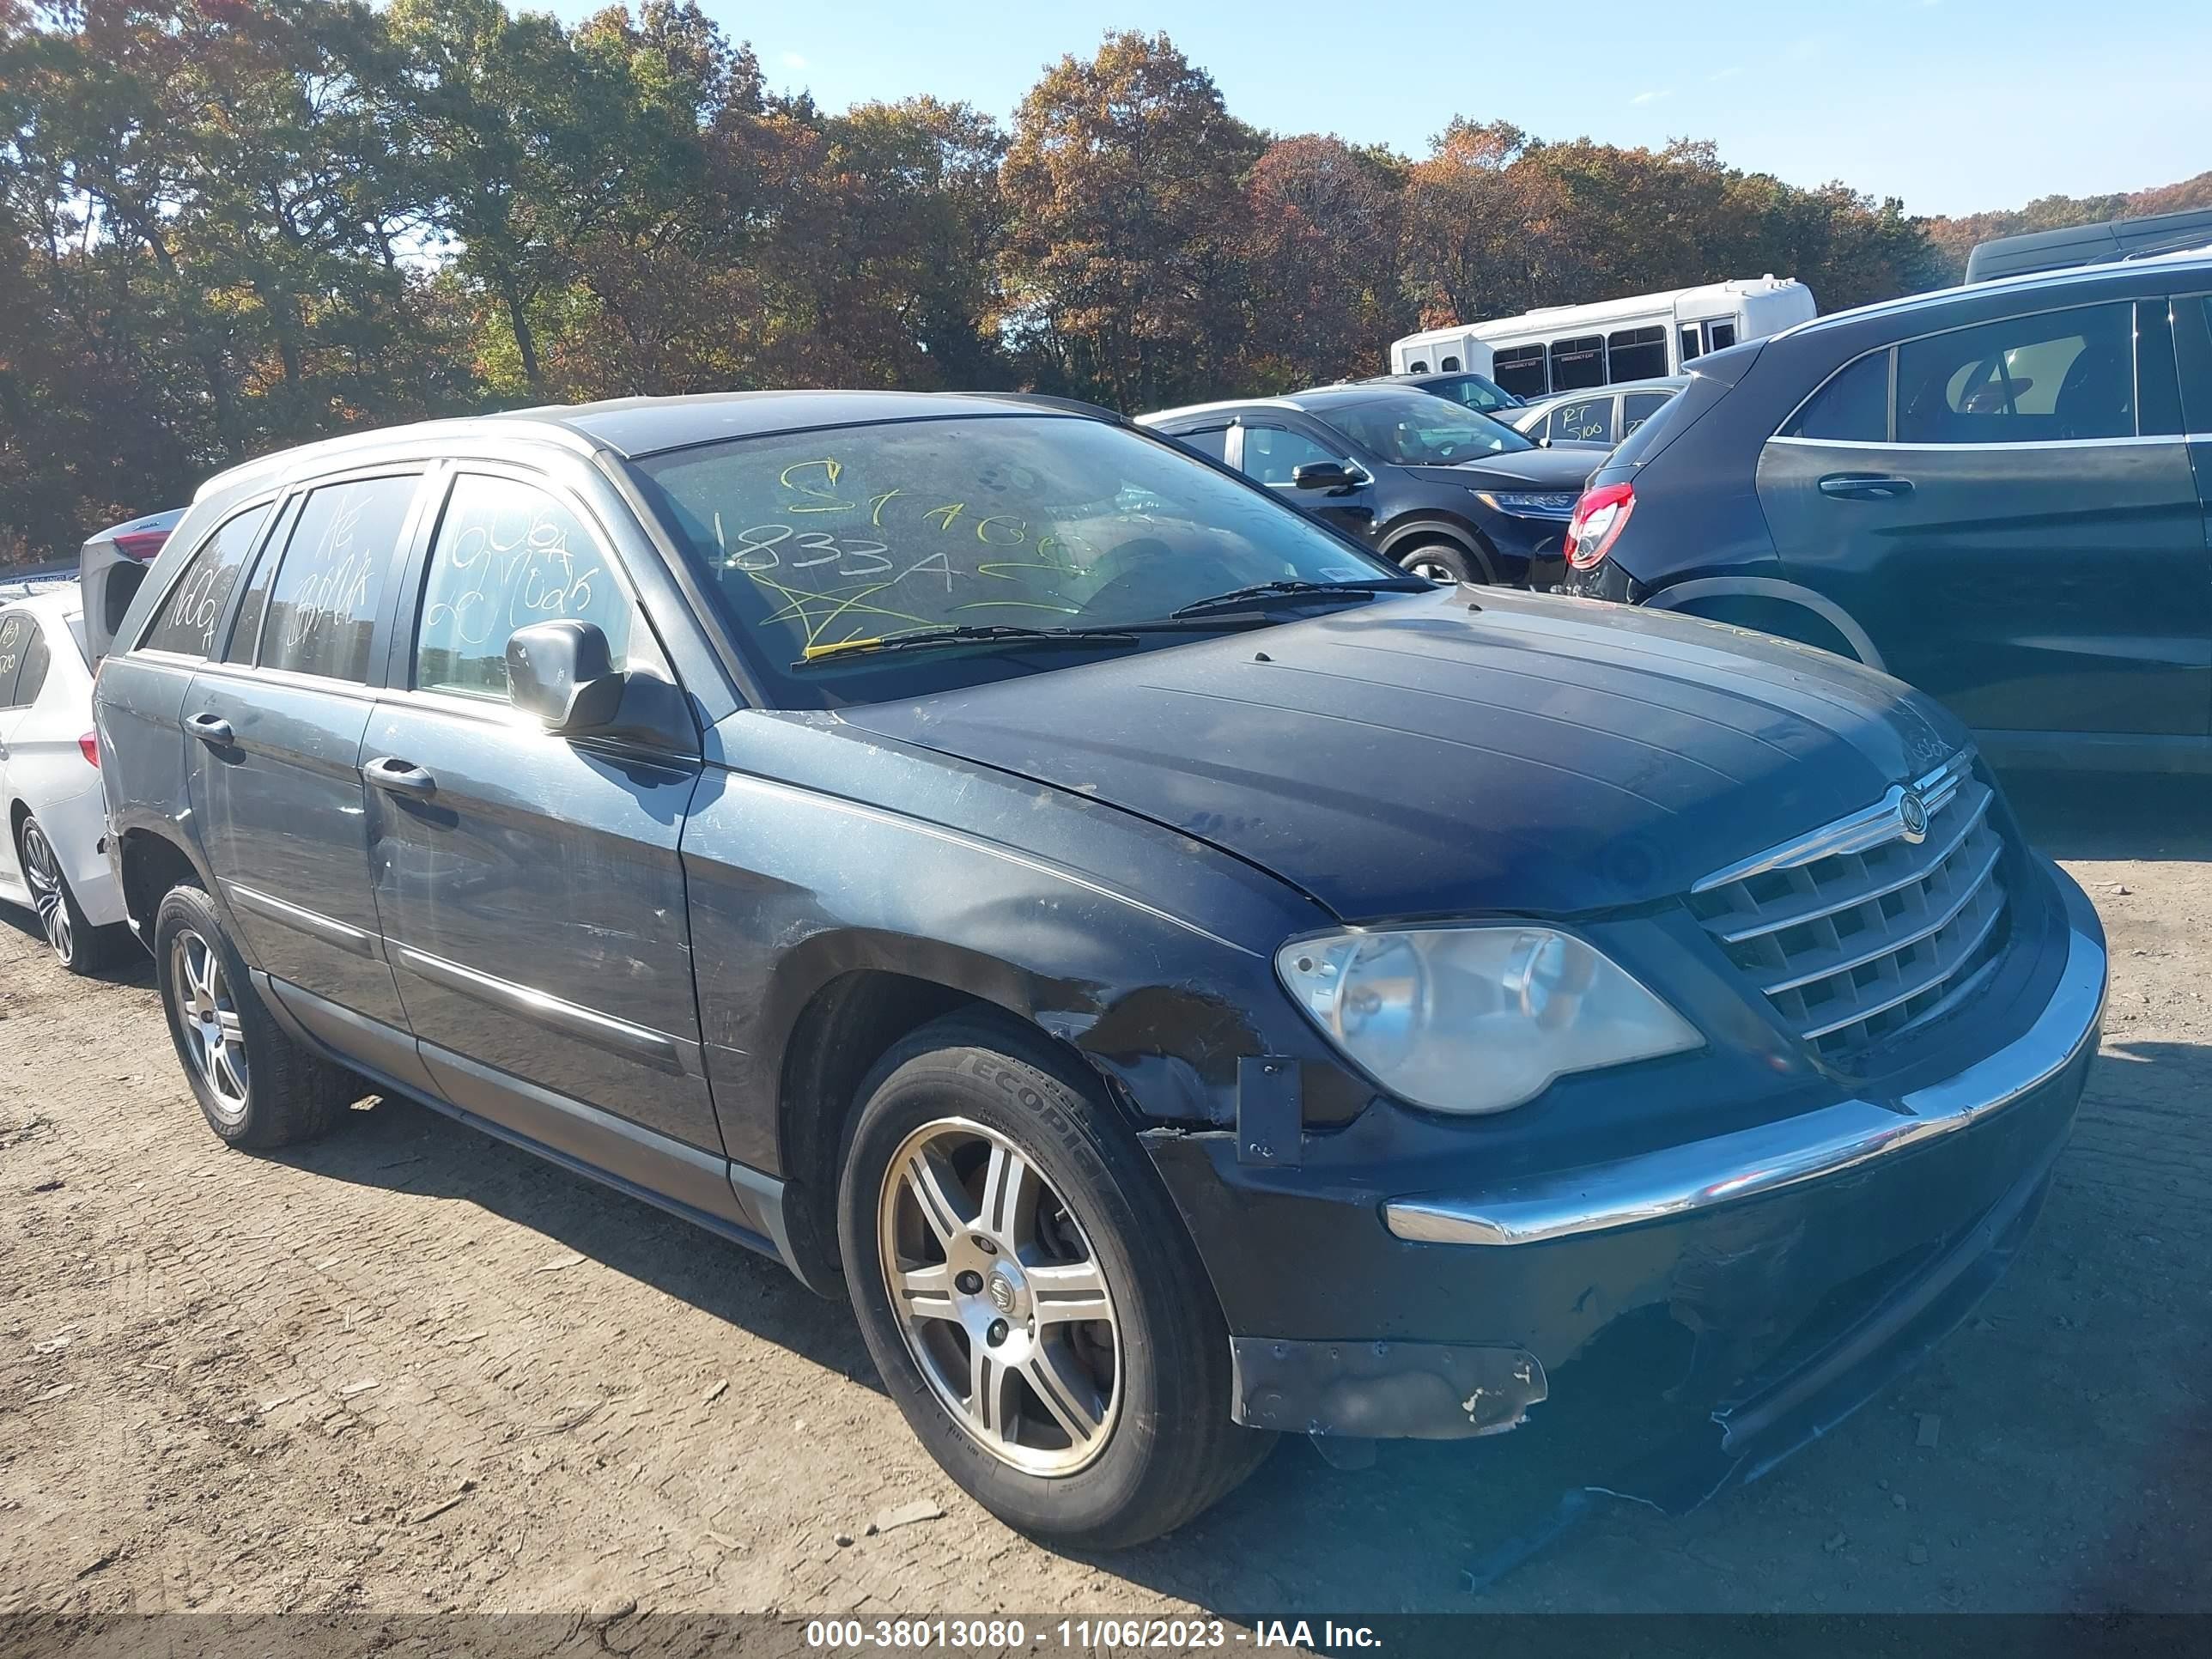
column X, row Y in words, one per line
column 1123, row 185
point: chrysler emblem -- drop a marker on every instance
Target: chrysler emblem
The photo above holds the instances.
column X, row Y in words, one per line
column 1912, row 816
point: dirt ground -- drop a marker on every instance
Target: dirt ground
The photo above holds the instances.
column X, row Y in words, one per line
column 409, row 1368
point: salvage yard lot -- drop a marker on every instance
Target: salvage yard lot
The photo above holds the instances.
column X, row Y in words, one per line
column 409, row 1368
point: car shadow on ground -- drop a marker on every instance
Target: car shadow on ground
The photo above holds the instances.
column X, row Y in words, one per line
column 2074, row 816
column 398, row 1145
column 132, row 967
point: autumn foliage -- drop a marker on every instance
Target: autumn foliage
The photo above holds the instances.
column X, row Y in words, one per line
column 227, row 226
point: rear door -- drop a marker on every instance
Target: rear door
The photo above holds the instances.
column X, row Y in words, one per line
column 274, row 733
column 528, row 883
column 2011, row 520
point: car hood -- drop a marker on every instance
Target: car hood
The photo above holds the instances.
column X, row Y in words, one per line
column 1447, row 754
column 1526, row 469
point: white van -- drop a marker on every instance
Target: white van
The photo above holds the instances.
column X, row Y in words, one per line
column 1566, row 348
column 1441, row 351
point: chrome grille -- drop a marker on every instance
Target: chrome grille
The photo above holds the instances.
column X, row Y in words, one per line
column 1856, row 933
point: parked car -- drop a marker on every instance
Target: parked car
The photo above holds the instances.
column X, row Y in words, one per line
column 1600, row 417
column 1988, row 491
column 1450, row 494
column 1180, row 976
column 53, row 859
column 2082, row 245
column 1484, row 396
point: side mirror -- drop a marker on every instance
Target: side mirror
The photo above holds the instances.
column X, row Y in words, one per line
column 562, row 672
column 1325, row 475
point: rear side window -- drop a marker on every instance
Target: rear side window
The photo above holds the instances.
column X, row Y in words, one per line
column 18, row 632
column 2056, row 375
column 2158, row 388
column 323, row 604
column 190, row 616
column 508, row 554
column 32, row 679
column 1638, row 407
column 1207, row 440
column 1852, row 408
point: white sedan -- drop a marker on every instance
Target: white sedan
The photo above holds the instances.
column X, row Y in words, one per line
column 52, row 857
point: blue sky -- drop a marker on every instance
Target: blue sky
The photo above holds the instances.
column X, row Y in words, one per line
column 1952, row 105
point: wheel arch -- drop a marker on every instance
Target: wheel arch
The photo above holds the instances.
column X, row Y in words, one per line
column 1707, row 595
column 845, row 1022
column 1431, row 525
column 150, row 862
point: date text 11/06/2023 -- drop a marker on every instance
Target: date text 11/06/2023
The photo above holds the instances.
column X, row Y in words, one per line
column 1084, row 1635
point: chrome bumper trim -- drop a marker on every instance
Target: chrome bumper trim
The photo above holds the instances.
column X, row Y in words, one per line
column 1815, row 1147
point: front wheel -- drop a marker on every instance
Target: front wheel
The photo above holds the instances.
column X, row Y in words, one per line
column 1442, row 562
column 1030, row 1296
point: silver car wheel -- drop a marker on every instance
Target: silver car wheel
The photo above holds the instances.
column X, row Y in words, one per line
column 1432, row 570
column 42, row 874
column 208, row 1017
column 1003, row 1303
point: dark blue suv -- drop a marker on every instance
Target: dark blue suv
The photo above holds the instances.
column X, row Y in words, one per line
column 2001, row 493
column 1180, row 976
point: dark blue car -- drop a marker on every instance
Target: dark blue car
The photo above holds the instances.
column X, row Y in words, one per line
column 2001, row 493
column 1183, row 978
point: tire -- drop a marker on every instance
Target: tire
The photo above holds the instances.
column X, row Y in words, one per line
column 967, row 1099
column 1442, row 560
column 76, row 944
column 268, row 1090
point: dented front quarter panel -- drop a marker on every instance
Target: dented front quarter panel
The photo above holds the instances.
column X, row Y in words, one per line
column 1146, row 950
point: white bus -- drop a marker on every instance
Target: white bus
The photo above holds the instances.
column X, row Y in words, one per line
column 1565, row 347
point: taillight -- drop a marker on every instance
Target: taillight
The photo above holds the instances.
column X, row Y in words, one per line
column 141, row 544
column 1597, row 523
column 89, row 745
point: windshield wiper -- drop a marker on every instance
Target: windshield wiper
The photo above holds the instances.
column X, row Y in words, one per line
column 1236, row 597
column 921, row 639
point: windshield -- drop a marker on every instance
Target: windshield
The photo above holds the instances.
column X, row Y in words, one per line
column 1418, row 428
column 1484, row 396
column 815, row 544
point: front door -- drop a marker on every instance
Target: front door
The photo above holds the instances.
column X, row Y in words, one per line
column 2015, row 544
column 1273, row 452
column 528, row 885
column 274, row 738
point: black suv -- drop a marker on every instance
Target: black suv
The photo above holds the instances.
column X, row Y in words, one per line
column 1180, row 976
column 2001, row 493
column 1450, row 494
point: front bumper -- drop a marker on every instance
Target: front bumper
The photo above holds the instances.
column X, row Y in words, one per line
column 1751, row 1289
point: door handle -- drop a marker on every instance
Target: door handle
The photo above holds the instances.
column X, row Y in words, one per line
column 212, row 729
column 1865, row 486
column 400, row 777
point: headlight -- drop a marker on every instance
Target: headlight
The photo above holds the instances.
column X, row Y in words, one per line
column 1476, row 1019
column 1550, row 504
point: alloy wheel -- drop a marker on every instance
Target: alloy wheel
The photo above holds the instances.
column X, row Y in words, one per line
column 42, row 874
column 1434, row 571
column 1002, row 1302
column 208, row 1015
